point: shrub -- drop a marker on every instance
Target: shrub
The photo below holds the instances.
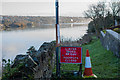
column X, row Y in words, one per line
column 104, row 31
column 116, row 30
column 7, row 70
column 20, row 71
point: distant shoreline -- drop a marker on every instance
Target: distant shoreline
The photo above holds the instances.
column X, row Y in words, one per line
column 42, row 16
column 22, row 22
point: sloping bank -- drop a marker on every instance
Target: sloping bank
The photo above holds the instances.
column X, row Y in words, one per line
column 104, row 63
column 35, row 65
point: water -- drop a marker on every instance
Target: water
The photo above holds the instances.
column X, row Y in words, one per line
column 17, row 42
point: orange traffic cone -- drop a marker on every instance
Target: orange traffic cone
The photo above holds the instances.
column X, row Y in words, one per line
column 88, row 69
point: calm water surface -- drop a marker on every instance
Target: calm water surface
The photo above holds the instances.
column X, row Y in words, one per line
column 17, row 42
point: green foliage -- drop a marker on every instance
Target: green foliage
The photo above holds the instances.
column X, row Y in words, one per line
column 7, row 70
column 104, row 31
column 116, row 30
column 30, row 77
column 91, row 27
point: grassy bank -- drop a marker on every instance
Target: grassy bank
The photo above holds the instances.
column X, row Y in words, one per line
column 104, row 63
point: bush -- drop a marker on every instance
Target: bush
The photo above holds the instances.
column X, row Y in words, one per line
column 104, row 31
column 7, row 70
column 116, row 30
column 18, row 72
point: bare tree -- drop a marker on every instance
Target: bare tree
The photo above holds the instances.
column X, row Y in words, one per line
column 96, row 11
column 115, row 9
column 102, row 12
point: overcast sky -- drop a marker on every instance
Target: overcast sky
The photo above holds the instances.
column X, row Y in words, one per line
column 54, row 0
column 45, row 7
column 49, row 0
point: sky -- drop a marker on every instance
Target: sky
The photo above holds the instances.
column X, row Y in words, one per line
column 54, row 0
column 49, row 0
column 45, row 7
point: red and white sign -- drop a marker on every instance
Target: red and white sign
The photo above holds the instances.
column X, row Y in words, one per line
column 71, row 55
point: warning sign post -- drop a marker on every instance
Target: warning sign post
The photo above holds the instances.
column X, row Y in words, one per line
column 71, row 55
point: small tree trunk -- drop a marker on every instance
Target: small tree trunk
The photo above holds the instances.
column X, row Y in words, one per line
column 114, row 20
column 96, row 29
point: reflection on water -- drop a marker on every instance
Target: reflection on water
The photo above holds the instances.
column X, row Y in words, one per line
column 73, row 33
column 19, row 42
column 16, row 42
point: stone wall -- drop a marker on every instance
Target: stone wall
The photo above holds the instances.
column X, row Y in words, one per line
column 46, row 58
column 111, row 41
column 38, row 63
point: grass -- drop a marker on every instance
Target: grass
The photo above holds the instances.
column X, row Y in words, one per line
column 104, row 63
